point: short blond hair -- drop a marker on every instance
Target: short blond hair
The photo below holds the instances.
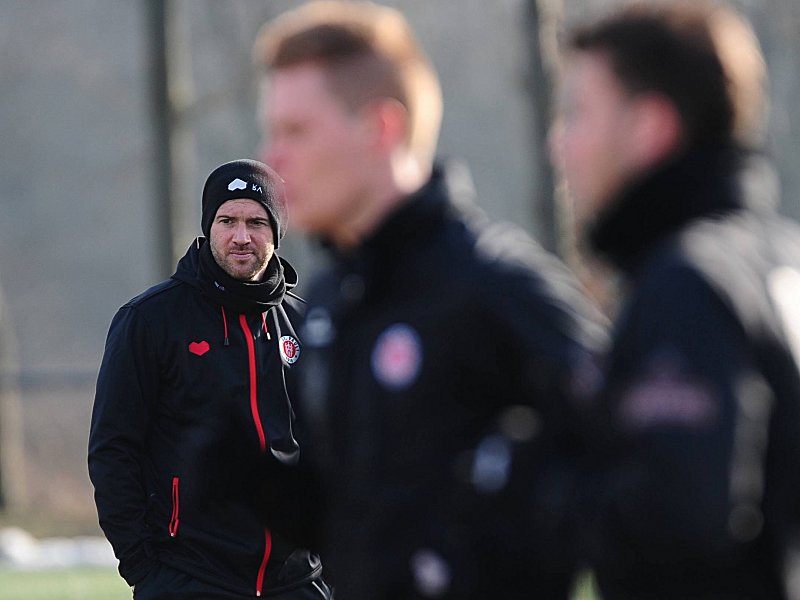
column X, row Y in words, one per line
column 368, row 51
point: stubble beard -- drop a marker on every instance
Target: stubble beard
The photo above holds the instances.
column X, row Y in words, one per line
column 256, row 266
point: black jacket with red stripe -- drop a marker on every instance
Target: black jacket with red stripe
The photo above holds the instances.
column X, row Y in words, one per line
column 191, row 451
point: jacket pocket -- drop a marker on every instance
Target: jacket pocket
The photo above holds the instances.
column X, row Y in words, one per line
column 176, row 507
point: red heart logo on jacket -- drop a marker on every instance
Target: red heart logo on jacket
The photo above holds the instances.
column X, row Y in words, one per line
column 199, row 348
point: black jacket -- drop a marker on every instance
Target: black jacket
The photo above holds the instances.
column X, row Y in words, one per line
column 442, row 356
column 699, row 495
column 191, row 449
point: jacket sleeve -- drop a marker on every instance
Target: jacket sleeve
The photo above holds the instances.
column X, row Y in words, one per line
column 686, row 411
column 126, row 386
column 551, row 337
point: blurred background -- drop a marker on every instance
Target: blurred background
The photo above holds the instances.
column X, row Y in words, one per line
column 113, row 113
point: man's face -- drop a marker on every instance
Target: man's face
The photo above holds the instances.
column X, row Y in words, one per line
column 593, row 138
column 318, row 146
column 241, row 239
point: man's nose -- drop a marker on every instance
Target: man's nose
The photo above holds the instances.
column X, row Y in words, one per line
column 241, row 235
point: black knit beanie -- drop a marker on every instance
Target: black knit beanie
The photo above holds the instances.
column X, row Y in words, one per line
column 245, row 179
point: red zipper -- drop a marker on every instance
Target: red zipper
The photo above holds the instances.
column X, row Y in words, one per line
column 251, row 351
column 264, row 560
column 176, row 507
column 262, row 440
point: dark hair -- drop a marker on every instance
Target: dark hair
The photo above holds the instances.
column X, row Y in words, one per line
column 701, row 56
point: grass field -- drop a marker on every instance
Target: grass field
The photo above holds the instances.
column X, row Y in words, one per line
column 63, row 584
column 106, row 584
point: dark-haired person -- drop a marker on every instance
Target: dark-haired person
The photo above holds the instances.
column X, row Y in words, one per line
column 192, row 451
column 697, row 486
column 442, row 351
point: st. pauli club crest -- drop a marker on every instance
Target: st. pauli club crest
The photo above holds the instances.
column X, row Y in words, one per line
column 397, row 357
column 290, row 349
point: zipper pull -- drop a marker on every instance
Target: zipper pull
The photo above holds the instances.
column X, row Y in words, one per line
column 266, row 337
column 226, row 342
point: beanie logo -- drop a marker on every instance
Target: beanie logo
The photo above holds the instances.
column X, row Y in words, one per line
column 237, row 184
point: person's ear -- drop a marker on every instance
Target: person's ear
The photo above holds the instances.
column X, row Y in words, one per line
column 658, row 128
column 388, row 124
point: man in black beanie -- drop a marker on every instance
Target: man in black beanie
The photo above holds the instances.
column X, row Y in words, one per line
column 192, row 450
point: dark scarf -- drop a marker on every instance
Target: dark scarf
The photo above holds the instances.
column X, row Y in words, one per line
column 695, row 185
column 241, row 296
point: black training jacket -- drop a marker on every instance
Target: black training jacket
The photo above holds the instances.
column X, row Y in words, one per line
column 699, row 493
column 191, row 445
column 442, row 358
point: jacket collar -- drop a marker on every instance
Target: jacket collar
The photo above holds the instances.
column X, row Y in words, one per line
column 447, row 196
column 448, row 193
column 695, row 185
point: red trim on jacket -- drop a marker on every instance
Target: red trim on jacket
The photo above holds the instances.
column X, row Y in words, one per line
column 264, row 560
column 176, row 507
column 251, row 354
